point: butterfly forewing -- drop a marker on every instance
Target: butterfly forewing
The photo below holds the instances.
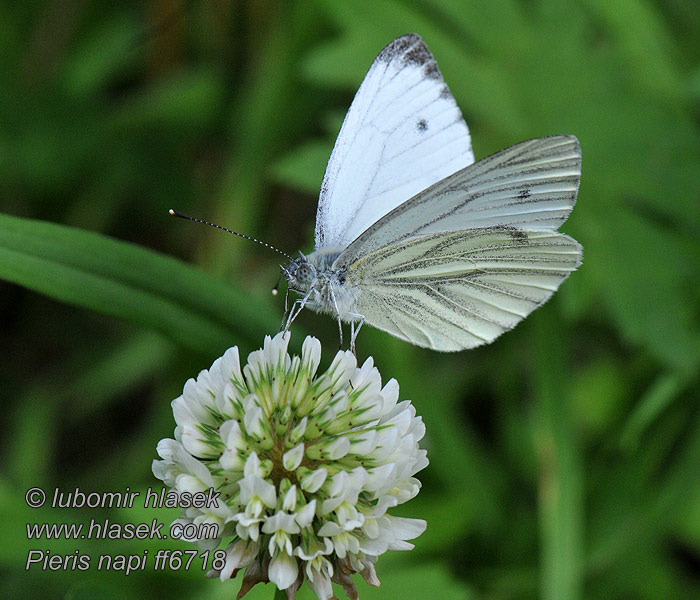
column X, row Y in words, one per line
column 457, row 290
column 402, row 133
column 531, row 185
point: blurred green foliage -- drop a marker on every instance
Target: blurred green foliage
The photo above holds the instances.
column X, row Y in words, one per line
column 565, row 457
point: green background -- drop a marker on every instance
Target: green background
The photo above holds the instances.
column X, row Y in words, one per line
column 565, row 457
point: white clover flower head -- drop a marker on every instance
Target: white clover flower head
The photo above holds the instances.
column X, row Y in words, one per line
column 307, row 465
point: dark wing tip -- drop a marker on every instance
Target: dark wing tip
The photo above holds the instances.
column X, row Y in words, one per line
column 399, row 46
column 411, row 50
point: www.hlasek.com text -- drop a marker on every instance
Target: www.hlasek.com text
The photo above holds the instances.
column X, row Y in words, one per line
column 104, row 529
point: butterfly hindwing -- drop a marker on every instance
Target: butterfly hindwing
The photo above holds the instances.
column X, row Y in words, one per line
column 457, row 290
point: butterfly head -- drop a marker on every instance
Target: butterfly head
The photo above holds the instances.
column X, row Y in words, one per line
column 300, row 273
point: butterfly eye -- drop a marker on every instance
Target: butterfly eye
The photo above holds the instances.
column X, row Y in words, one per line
column 305, row 274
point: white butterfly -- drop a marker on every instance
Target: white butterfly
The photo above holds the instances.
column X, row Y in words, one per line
column 414, row 237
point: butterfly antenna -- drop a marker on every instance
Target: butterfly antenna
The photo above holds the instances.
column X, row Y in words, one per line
column 275, row 290
column 176, row 213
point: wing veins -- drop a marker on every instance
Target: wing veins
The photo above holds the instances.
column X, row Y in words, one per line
column 439, row 317
column 457, row 304
column 506, row 292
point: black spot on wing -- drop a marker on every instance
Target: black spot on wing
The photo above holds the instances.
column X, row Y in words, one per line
column 422, row 125
column 517, row 235
column 524, row 194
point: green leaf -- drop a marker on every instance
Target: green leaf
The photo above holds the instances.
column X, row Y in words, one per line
column 417, row 581
column 102, row 54
column 648, row 275
column 181, row 103
column 119, row 279
column 303, row 169
column 650, row 406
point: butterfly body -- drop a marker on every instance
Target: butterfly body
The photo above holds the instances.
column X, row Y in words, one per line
column 414, row 237
column 323, row 282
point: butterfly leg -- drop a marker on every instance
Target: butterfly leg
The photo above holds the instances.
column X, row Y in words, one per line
column 354, row 331
column 340, row 323
column 294, row 313
column 286, row 311
column 297, row 307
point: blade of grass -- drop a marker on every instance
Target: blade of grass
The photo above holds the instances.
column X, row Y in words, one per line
column 119, row 279
column 561, row 486
column 661, row 393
